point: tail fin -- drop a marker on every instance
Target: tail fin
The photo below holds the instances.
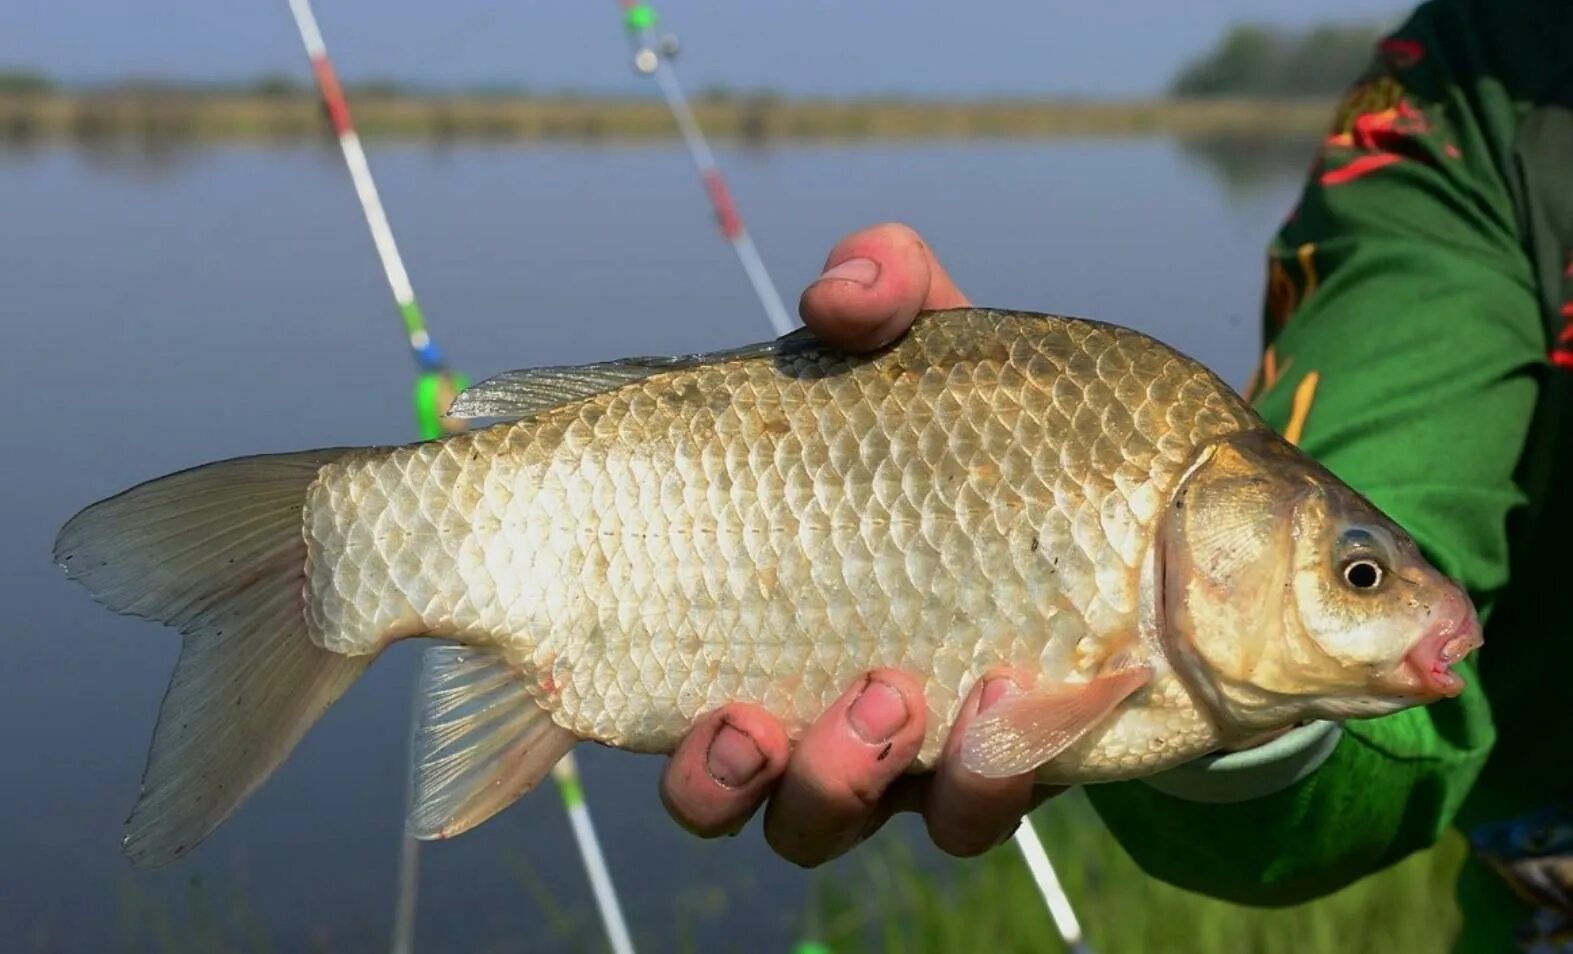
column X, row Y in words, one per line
column 218, row 553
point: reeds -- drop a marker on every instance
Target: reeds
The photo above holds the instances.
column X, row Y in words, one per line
column 178, row 114
column 899, row 904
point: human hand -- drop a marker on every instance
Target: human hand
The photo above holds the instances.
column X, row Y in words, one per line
column 874, row 283
column 847, row 774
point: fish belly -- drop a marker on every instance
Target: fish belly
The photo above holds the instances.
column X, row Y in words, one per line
column 735, row 533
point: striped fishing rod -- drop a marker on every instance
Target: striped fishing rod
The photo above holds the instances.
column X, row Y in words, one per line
column 435, row 389
column 651, row 58
column 1054, row 896
column 435, row 386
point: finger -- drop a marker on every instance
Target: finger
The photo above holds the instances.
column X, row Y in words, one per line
column 875, row 282
column 723, row 769
column 968, row 814
column 910, row 793
column 842, row 766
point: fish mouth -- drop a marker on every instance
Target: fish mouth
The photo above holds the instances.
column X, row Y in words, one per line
column 1427, row 669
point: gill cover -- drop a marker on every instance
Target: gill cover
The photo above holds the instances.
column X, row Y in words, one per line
column 1228, row 555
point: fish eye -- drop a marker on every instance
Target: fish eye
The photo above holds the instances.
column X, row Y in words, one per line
column 1363, row 573
column 1361, row 553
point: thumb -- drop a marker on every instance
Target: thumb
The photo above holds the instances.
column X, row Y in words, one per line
column 875, row 282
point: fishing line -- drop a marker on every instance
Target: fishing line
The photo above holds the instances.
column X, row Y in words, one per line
column 435, row 388
column 651, row 58
column 1054, row 896
column 435, row 385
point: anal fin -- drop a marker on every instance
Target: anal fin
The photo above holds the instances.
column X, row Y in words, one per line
column 1023, row 731
column 481, row 741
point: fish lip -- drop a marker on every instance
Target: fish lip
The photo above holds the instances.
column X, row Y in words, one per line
column 1427, row 668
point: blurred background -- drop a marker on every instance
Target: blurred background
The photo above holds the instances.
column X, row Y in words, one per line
column 185, row 275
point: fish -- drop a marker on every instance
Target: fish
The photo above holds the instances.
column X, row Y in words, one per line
column 613, row 550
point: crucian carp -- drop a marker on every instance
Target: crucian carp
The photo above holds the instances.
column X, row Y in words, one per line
column 625, row 546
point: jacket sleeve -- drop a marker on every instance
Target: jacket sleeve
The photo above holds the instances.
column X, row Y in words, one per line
column 1405, row 340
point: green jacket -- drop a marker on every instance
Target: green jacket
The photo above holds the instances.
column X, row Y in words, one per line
column 1418, row 301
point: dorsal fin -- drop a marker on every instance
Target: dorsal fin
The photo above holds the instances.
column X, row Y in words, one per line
column 515, row 395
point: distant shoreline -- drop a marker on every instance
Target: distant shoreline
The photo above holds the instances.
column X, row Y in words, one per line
column 170, row 115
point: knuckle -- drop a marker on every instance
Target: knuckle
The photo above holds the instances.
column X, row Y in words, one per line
column 962, row 842
column 968, row 816
column 707, row 821
column 795, row 845
column 898, row 677
column 828, row 791
column 899, row 232
column 810, row 824
column 857, row 785
column 696, row 803
column 706, row 829
column 863, row 795
column 685, row 810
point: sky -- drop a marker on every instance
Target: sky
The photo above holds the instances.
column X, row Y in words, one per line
column 836, row 47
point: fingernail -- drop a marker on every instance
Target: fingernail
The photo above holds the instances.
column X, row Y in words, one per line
column 734, row 757
column 997, row 689
column 864, row 271
column 878, row 712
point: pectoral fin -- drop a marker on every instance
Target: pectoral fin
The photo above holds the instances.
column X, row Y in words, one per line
column 1023, row 731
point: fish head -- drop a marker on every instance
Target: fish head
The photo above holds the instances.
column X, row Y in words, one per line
column 1288, row 596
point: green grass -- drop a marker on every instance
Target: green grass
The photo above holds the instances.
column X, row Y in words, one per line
column 200, row 920
column 180, row 115
column 894, row 897
column 894, row 904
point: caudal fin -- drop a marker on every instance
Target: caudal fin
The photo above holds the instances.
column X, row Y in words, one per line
column 218, row 553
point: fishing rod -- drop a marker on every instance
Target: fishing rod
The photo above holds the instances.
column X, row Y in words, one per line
column 651, row 58
column 1054, row 896
column 435, row 386
column 435, row 389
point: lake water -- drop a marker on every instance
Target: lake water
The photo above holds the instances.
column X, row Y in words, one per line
column 161, row 310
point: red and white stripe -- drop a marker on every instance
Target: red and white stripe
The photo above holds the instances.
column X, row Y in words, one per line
column 354, row 155
column 648, row 60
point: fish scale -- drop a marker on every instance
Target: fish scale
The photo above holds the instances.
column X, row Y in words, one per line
column 645, row 540
column 767, row 528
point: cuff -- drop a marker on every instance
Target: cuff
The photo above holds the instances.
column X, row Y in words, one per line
column 1227, row 777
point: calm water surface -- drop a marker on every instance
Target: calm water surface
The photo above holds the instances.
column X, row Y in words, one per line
column 162, row 311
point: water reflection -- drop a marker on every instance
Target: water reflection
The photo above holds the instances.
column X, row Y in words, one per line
column 1245, row 163
column 1241, row 163
column 222, row 301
